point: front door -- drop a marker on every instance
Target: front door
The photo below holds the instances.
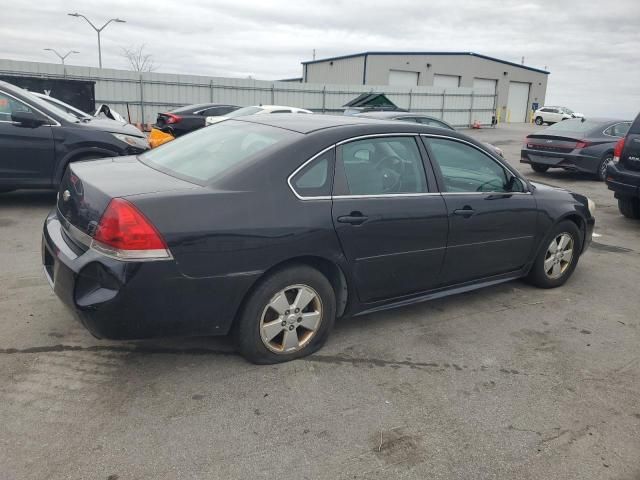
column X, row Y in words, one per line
column 492, row 218
column 26, row 153
column 392, row 226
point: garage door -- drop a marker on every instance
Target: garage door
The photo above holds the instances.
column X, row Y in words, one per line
column 402, row 78
column 517, row 102
column 446, row 81
column 487, row 85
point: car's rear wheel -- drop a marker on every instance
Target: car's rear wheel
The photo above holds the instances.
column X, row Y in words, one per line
column 629, row 207
column 601, row 174
column 539, row 168
column 559, row 256
column 289, row 315
column 539, row 121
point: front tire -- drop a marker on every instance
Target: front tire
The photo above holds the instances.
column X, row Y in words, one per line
column 629, row 207
column 289, row 315
column 558, row 257
column 536, row 167
column 539, row 121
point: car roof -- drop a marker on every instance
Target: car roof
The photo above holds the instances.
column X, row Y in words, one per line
column 308, row 123
column 199, row 106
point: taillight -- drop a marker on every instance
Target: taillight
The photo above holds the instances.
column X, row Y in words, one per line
column 617, row 150
column 171, row 118
column 582, row 144
column 126, row 234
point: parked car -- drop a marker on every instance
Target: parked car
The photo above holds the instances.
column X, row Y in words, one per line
column 272, row 226
column 578, row 144
column 422, row 119
column 551, row 115
column 623, row 174
column 38, row 140
column 183, row 120
column 257, row 110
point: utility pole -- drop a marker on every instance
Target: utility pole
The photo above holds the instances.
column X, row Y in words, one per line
column 98, row 30
column 60, row 56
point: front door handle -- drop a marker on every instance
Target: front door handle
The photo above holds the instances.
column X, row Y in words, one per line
column 466, row 212
column 354, row 218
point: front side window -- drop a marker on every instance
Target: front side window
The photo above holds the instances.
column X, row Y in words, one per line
column 9, row 105
column 382, row 166
column 208, row 153
column 466, row 169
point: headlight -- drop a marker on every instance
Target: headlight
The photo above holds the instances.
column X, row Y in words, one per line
column 137, row 142
column 592, row 207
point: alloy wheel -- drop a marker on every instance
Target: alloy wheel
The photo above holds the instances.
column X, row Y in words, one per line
column 602, row 173
column 559, row 255
column 291, row 319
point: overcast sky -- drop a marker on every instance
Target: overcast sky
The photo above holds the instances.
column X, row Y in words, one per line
column 591, row 48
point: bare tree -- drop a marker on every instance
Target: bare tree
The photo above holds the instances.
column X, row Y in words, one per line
column 138, row 59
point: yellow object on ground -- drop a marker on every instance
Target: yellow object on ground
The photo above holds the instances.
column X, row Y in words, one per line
column 158, row 137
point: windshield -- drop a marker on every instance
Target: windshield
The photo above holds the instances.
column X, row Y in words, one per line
column 243, row 112
column 207, row 154
column 67, row 108
column 48, row 107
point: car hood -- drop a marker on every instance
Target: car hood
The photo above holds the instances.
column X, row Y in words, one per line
column 112, row 126
column 546, row 187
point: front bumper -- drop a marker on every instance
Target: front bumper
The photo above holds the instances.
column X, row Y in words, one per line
column 134, row 300
column 568, row 161
column 624, row 183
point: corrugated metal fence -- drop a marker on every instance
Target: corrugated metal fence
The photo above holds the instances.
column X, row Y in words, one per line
column 143, row 95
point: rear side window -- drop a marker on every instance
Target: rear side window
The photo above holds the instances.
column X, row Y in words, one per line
column 316, row 178
column 211, row 152
column 382, row 166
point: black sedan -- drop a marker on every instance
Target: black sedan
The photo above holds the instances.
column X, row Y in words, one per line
column 272, row 227
column 191, row 117
column 577, row 144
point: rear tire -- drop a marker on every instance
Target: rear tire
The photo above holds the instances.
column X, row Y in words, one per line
column 553, row 266
column 601, row 174
column 539, row 121
column 539, row 168
column 272, row 329
column 629, row 207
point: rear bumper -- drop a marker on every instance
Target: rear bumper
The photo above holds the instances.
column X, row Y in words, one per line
column 134, row 300
column 568, row 161
column 624, row 183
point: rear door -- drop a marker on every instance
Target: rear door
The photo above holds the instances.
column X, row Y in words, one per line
column 630, row 158
column 492, row 219
column 26, row 153
column 391, row 222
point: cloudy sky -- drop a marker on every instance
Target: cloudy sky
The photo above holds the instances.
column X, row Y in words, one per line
column 591, row 48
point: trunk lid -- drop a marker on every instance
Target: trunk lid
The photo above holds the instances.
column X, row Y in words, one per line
column 87, row 188
column 552, row 143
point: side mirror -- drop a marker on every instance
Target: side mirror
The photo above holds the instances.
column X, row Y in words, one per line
column 27, row 119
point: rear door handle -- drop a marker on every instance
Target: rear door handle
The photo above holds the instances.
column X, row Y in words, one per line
column 355, row 218
column 466, row 212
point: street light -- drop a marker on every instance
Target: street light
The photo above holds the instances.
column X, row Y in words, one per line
column 61, row 57
column 98, row 30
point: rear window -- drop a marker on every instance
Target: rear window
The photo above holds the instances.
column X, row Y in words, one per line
column 635, row 126
column 575, row 125
column 209, row 153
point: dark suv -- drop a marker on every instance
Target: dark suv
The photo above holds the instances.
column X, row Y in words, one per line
column 38, row 140
column 623, row 174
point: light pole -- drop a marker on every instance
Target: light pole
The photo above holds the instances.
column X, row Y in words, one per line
column 61, row 57
column 98, row 30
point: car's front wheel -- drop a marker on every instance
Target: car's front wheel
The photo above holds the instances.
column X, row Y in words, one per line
column 558, row 257
column 539, row 168
column 601, row 174
column 539, row 121
column 629, row 207
column 289, row 315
